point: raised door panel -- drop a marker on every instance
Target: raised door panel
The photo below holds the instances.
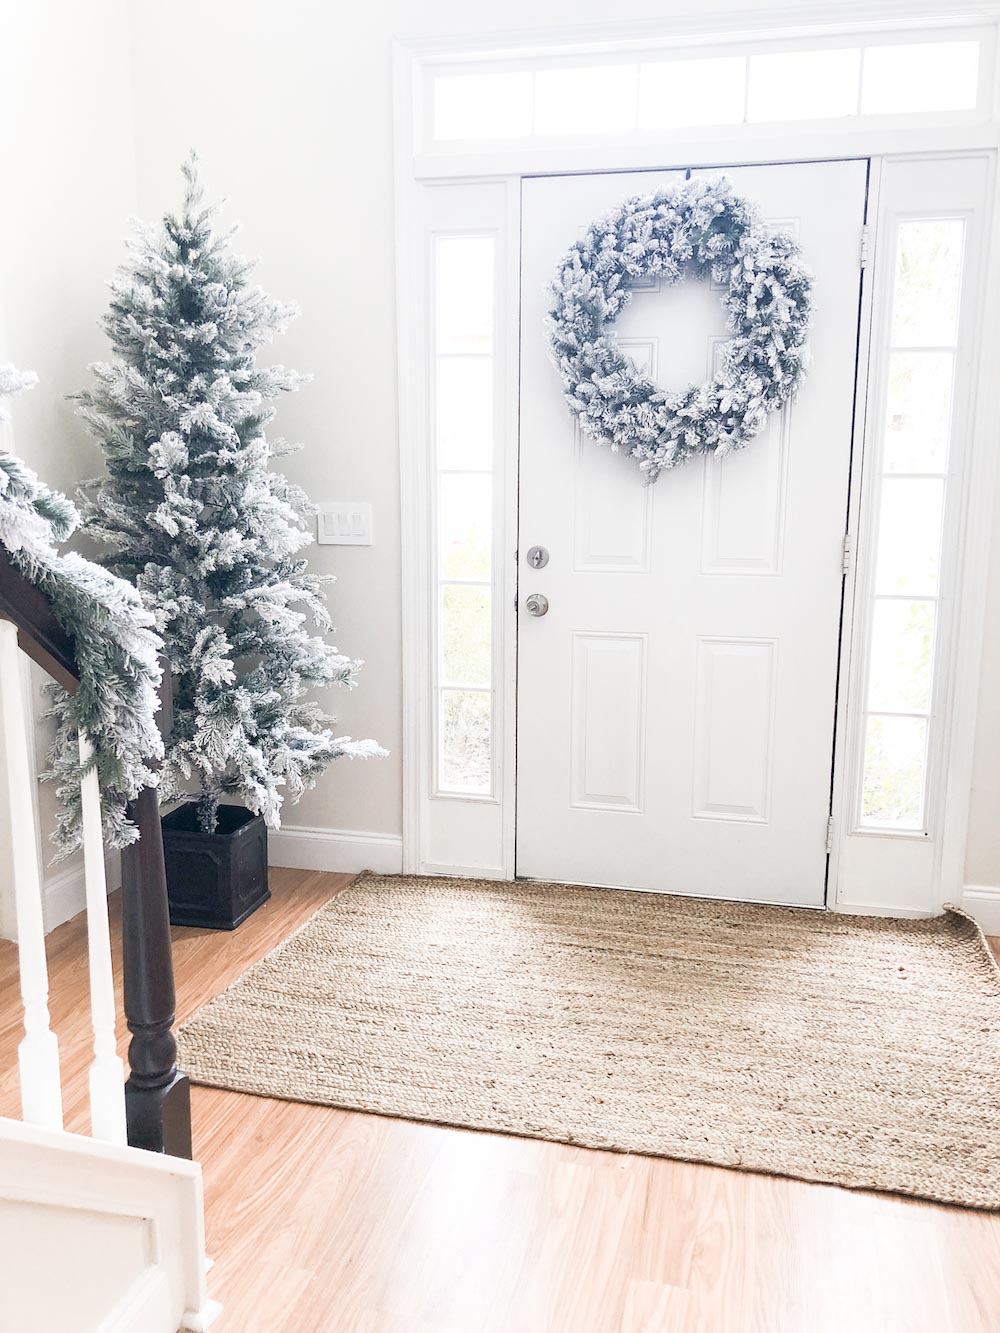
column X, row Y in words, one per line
column 734, row 728
column 608, row 721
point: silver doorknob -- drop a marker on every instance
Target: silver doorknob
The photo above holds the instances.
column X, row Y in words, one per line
column 537, row 604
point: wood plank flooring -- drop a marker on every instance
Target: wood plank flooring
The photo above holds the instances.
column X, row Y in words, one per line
column 326, row 1221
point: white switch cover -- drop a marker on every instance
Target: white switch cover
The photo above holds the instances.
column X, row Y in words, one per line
column 344, row 523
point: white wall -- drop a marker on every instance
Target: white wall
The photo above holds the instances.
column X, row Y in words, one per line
column 289, row 106
column 67, row 158
column 68, row 162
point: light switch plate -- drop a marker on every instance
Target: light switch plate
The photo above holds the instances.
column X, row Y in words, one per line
column 344, row 523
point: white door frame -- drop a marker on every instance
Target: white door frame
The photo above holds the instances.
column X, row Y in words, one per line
column 448, row 833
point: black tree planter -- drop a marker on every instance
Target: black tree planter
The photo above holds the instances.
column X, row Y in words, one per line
column 215, row 879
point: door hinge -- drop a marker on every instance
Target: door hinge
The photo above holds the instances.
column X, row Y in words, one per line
column 829, row 835
column 846, row 552
column 864, row 245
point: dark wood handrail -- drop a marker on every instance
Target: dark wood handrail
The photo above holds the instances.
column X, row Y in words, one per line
column 39, row 633
column 157, row 1094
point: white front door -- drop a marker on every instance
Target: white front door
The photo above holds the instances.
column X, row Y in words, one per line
column 676, row 704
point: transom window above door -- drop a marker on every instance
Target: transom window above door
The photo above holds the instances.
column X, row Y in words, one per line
column 670, row 90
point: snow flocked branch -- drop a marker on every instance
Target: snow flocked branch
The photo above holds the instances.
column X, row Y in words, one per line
column 115, row 643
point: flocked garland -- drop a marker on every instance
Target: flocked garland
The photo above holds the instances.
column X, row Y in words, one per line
column 698, row 227
column 116, row 648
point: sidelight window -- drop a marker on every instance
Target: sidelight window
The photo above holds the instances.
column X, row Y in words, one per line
column 464, row 371
column 904, row 605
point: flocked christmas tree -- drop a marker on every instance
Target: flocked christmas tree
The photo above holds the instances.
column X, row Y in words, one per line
column 192, row 514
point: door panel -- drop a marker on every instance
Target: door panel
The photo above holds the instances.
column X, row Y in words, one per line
column 608, row 721
column 676, row 703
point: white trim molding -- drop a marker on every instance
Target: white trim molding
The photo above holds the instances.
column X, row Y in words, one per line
column 345, row 850
column 982, row 903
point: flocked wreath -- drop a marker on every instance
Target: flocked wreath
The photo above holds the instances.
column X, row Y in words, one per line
column 697, row 227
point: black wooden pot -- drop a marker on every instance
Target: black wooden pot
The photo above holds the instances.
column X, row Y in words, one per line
column 215, row 879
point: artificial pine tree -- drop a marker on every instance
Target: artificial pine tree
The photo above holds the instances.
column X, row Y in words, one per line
column 191, row 513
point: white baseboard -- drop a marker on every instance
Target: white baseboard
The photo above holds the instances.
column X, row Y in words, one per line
column 982, row 902
column 64, row 894
column 334, row 849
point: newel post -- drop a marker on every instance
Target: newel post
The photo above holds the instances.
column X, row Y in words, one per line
column 157, row 1094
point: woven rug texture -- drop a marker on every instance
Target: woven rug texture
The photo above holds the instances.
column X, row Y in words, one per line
column 855, row 1050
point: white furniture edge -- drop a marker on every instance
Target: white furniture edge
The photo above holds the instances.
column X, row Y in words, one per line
column 50, row 1167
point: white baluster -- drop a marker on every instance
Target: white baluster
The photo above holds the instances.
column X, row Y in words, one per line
column 38, row 1053
column 107, row 1073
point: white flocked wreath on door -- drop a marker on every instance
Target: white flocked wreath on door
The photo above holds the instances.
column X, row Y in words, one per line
column 702, row 228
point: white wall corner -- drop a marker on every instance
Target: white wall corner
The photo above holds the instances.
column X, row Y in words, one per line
column 982, row 903
column 350, row 850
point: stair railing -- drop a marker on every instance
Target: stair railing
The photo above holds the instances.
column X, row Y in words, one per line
column 152, row 1109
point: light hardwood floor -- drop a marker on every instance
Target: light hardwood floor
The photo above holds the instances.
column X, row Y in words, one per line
column 325, row 1221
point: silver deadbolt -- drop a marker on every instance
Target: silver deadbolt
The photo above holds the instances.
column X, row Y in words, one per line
column 537, row 557
column 537, row 604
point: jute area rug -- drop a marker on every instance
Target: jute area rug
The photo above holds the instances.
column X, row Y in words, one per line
column 853, row 1050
